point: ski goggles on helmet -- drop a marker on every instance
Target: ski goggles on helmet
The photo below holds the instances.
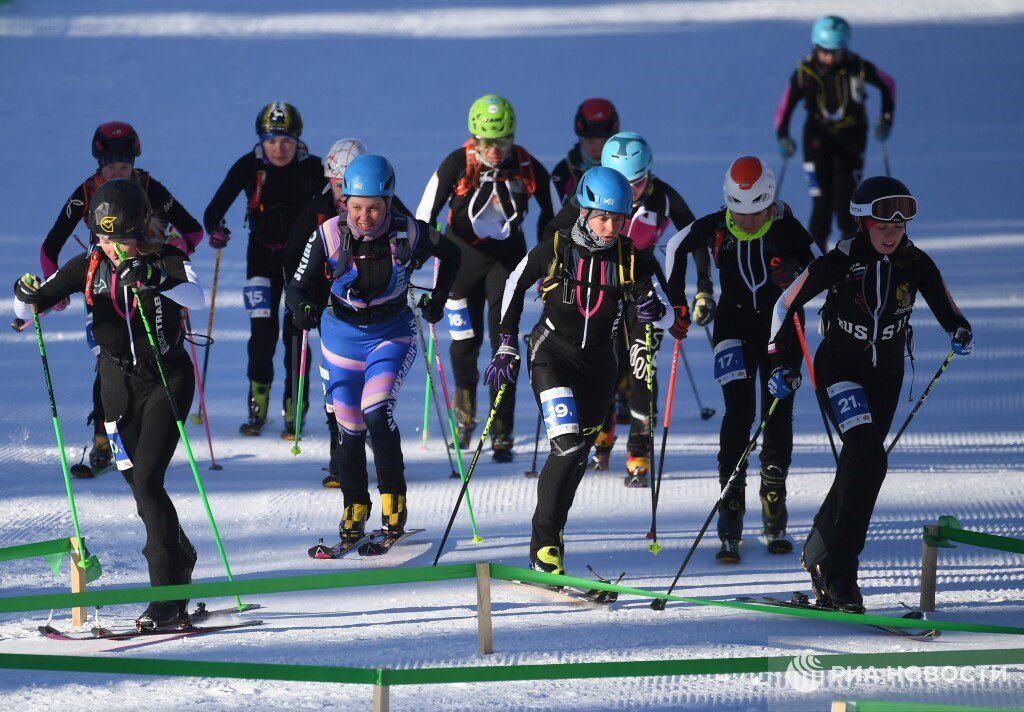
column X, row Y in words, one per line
column 892, row 208
column 502, row 144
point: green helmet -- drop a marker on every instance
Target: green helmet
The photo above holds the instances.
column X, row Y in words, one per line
column 492, row 117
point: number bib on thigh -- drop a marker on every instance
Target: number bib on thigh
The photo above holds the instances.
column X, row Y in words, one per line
column 89, row 339
column 257, row 297
column 116, row 447
column 459, row 325
column 729, row 364
column 849, row 404
column 560, row 415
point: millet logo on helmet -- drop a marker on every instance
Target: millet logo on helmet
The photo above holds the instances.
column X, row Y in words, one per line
column 108, row 224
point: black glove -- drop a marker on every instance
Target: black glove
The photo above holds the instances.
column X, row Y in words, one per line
column 136, row 270
column 681, row 323
column 306, row 317
column 432, row 308
column 649, row 308
column 26, row 289
column 884, row 127
column 704, row 308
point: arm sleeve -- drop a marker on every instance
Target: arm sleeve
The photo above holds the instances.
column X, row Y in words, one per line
column 233, row 184
column 821, row 274
column 886, row 85
column 439, row 187
column 546, row 196
column 306, row 223
column 62, row 228
column 564, row 220
column 181, row 284
column 679, row 245
column 681, row 215
column 433, row 244
column 311, row 266
column 940, row 301
column 169, row 209
column 523, row 277
column 560, row 179
column 790, row 98
column 59, row 286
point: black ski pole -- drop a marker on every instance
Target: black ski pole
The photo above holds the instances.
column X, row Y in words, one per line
column 814, row 384
column 782, row 176
column 705, row 413
column 885, row 159
column 920, row 401
column 472, row 469
column 658, row 604
column 532, row 472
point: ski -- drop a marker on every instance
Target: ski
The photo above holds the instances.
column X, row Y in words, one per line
column 175, row 633
column 585, row 595
column 800, row 600
column 202, row 613
column 606, row 596
column 323, row 551
column 381, row 546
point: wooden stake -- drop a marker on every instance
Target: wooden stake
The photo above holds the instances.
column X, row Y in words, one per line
column 381, row 698
column 929, row 567
column 838, row 706
column 79, row 616
column 483, row 608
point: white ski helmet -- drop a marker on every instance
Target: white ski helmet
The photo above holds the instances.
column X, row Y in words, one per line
column 749, row 185
column 341, row 154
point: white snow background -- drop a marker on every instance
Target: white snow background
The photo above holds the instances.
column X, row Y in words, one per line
column 701, row 82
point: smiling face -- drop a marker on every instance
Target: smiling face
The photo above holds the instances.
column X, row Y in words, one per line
column 366, row 212
column 885, row 236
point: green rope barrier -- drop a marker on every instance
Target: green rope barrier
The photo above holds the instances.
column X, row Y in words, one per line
column 42, row 548
column 888, row 706
column 984, row 541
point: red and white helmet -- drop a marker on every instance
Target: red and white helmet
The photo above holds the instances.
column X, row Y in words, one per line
column 341, row 154
column 749, row 185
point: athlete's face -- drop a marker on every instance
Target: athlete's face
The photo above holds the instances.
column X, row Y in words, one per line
column 280, row 150
column 606, row 225
column 639, row 186
column 886, row 236
column 494, row 150
column 750, row 222
column 828, row 57
column 592, row 148
column 366, row 212
column 120, row 169
column 336, row 190
column 130, row 248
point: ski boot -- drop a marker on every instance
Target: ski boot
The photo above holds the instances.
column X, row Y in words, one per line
column 730, row 551
column 289, row 419
column 549, row 560
column 259, row 402
column 101, row 455
column 465, row 416
column 353, row 522
column 819, row 584
column 501, row 448
column 603, row 448
column 331, row 481
column 161, row 614
column 393, row 514
column 639, row 467
column 845, row 593
column 774, row 516
column 622, row 414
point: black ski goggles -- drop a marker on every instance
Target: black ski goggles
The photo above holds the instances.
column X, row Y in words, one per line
column 892, row 208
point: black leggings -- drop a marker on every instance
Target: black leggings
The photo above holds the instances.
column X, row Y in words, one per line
column 838, row 160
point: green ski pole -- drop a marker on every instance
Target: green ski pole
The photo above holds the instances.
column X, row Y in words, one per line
column 298, row 398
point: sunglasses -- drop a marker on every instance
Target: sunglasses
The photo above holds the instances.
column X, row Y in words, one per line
column 893, row 208
column 502, row 144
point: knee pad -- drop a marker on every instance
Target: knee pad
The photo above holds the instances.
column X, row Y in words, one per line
column 256, row 294
column 729, row 365
column 567, row 445
column 381, row 419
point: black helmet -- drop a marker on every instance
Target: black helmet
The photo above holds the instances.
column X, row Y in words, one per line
column 883, row 198
column 278, row 119
column 596, row 118
column 120, row 210
column 115, row 142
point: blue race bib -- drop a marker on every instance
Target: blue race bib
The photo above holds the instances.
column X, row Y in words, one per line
column 560, row 414
column 257, row 297
column 459, row 324
column 116, row 447
column 729, row 364
column 849, row 404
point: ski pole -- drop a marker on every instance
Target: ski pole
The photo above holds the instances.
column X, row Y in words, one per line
column 463, row 473
column 654, row 547
column 428, row 388
column 782, row 176
column 181, row 428
column 658, row 604
column 653, row 533
column 294, row 374
column 202, row 401
column 532, row 472
column 814, row 384
column 920, row 401
column 705, row 413
column 472, row 468
column 84, row 562
column 428, row 355
column 298, row 397
column 885, row 159
column 198, row 416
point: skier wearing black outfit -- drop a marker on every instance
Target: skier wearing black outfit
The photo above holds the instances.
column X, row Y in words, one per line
column 656, row 205
column 115, row 146
column 596, row 121
column 140, row 420
column 831, row 82
column 872, row 280
column 279, row 178
column 589, row 273
column 758, row 247
column 488, row 183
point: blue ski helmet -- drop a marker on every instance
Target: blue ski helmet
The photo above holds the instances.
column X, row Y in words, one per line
column 629, row 154
column 605, row 189
column 831, row 32
column 369, row 175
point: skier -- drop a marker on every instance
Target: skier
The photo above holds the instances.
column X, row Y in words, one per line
column 489, row 181
column 590, row 272
column 656, row 205
column 596, row 121
column 139, row 419
column 758, row 247
column 368, row 334
column 279, row 177
column 872, row 280
column 328, row 204
column 831, row 80
column 115, row 146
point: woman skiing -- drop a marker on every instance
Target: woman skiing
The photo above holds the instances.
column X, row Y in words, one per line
column 596, row 121
column 589, row 274
column 758, row 247
column 367, row 331
column 139, row 418
column 872, row 280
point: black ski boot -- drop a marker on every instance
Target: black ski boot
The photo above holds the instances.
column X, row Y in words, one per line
column 730, row 518
column 774, row 515
column 161, row 614
column 730, row 551
column 501, row 448
column 465, row 416
column 819, row 584
column 845, row 593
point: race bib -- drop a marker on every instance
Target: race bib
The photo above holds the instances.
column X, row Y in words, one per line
column 89, row 338
column 729, row 364
column 116, row 447
column 257, row 297
column 459, row 325
column 559, row 409
column 849, row 404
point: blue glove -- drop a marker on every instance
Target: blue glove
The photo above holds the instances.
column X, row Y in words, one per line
column 787, row 147
column 884, row 127
column 783, row 382
column 504, row 367
column 962, row 342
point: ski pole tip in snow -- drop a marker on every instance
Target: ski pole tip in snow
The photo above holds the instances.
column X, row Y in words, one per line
column 478, row 539
column 654, row 548
column 216, row 467
column 658, row 604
